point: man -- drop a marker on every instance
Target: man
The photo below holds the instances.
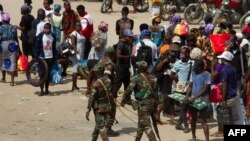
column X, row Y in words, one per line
column 87, row 28
column 181, row 73
column 146, row 99
column 40, row 24
column 228, row 77
column 25, row 27
column 145, row 34
column 124, row 22
column 198, row 89
column 69, row 20
column 123, row 56
column 100, row 100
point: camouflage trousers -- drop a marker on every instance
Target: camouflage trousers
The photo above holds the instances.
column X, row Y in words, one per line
column 112, row 114
column 145, row 111
column 101, row 120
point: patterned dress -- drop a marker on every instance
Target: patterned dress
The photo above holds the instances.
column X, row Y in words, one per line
column 8, row 47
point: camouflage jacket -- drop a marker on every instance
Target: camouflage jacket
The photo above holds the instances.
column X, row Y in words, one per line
column 100, row 95
column 143, row 85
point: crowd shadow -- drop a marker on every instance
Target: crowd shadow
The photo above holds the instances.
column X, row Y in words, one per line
column 127, row 130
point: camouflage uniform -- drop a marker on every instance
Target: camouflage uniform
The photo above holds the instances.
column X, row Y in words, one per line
column 100, row 101
column 144, row 85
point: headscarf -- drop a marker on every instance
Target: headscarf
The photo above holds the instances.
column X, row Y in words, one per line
column 103, row 26
column 6, row 17
column 57, row 7
column 175, row 19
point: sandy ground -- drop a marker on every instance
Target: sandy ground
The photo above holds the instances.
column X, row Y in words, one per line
column 60, row 117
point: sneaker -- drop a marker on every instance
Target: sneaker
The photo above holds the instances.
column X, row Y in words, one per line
column 186, row 129
column 178, row 127
column 112, row 133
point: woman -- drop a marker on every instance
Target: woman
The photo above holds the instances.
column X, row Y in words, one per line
column 56, row 20
column 157, row 31
column 8, row 48
column 99, row 42
column 46, row 49
column 78, row 43
column 48, row 10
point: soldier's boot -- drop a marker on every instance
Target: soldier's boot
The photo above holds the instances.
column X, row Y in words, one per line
column 112, row 133
column 104, row 136
column 138, row 135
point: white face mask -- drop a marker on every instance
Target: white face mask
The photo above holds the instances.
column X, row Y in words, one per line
column 220, row 61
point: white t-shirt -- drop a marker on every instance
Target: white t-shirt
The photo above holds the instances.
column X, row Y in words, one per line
column 149, row 43
column 85, row 22
column 47, row 45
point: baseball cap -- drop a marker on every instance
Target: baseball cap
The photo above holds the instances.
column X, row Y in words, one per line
column 145, row 33
column 244, row 42
column 128, row 32
column 226, row 55
column 247, row 20
column 176, row 39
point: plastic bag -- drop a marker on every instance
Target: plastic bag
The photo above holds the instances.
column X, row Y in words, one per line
column 216, row 94
column 56, row 74
column 181, row 29
column 22, row 63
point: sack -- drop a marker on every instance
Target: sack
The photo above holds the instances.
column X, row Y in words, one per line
column 56, row 74
column 219, row 42
column 144, row 53
column 181, row 29
column 22, row 63
column 67, row 48
column 215, row 94
column 32, row 36
column 181, row 87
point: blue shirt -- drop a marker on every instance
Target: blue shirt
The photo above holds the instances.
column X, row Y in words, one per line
column 228, row 74
column 182, row 69
column 199, row 81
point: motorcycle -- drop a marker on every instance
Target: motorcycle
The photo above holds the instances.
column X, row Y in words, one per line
column 229, row 10
column 195, row 12
column 243, row 18
column 140, row 5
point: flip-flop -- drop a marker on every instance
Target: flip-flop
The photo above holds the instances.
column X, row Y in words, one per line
column 217, row 135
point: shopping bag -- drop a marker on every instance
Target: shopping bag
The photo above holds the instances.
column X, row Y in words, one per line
column 22, row 63
column 219, row 42
column 56, row 74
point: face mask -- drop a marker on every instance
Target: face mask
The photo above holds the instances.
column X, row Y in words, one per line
column 67, row 9
column 220, row 61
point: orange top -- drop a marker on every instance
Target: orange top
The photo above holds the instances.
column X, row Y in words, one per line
column 164, row 48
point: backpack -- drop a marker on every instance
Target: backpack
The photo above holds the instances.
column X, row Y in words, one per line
column 144, row 53
column 124, row 25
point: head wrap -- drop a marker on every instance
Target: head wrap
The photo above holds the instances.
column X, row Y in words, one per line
column 6, row 17
column 57, row 7
column 103, row 26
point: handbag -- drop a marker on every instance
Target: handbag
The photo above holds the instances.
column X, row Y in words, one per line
column 216, row 93
column 181, row 87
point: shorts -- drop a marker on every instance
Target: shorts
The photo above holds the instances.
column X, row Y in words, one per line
column 202, row 114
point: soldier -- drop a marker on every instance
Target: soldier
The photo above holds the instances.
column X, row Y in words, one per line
column 144, row 87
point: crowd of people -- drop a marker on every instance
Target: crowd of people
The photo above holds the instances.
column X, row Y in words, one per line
column 164, row 61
